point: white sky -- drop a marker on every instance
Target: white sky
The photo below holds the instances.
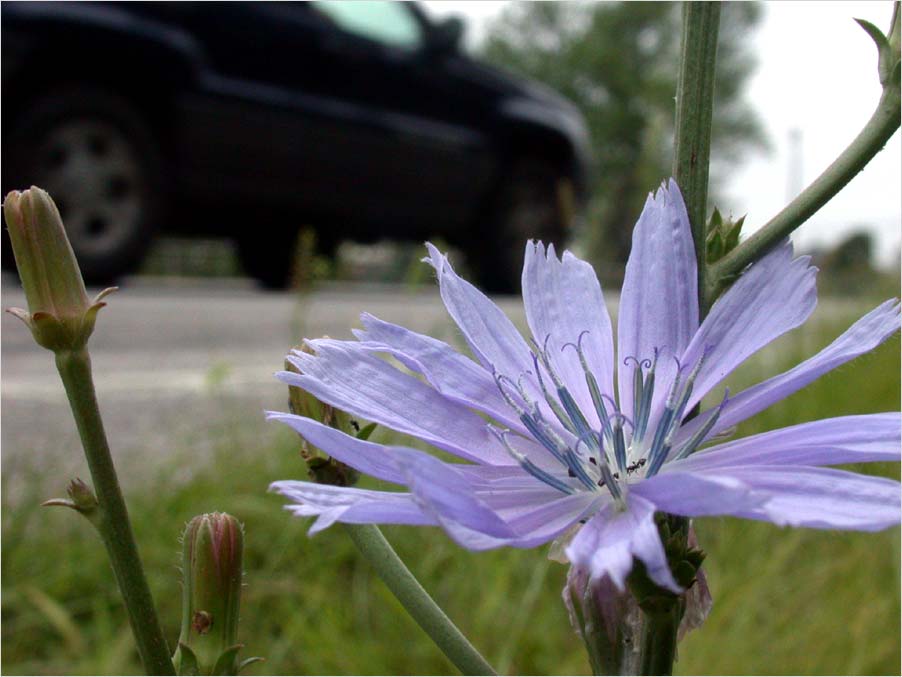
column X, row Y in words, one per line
column 817, row 73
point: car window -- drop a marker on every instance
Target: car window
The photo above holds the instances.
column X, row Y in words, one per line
column 390, row 23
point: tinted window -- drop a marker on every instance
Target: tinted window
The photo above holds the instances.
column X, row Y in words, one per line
column 389, row 23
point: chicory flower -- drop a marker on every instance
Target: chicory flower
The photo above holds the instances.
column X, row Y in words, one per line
column 568, row 451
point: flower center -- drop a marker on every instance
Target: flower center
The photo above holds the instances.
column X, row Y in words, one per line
column 620, row 449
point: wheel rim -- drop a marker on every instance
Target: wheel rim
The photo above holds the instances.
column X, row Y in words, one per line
column 95, row 178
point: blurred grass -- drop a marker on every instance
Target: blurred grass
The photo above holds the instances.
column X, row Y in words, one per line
column 786, row 601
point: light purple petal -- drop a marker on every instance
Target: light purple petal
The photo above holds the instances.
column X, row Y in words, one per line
column 820, row 498
column 831, row 441
column 775, row 295
column 563, row 299
column 450, row 497
column 377, row 460
column 455, row 376
column 865, row 335
column 607, row 543
column 346, row 504
column 532, row 525
column 696, row 495
column 659, row 301
column 492, row 337
column 355, row 381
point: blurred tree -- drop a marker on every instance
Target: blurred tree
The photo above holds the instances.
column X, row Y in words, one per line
column 617, row 61
column 848, row 268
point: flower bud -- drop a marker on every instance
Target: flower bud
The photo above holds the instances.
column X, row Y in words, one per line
column 722, row 235
column 60, row 315
column 607, row 619
column 211, row 596
column 81, row 499
column 320, row 467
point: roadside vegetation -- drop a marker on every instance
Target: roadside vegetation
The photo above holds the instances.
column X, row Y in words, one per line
column 811, row 602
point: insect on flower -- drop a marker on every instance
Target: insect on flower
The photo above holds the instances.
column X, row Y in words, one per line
column 566, row 449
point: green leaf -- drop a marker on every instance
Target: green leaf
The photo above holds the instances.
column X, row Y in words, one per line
column 876, row 34
column 366, row 431
column 226, row 663
column 248, row 661
column 187, row 661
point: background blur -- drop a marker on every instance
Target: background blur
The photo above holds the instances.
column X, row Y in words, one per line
column 184, row 354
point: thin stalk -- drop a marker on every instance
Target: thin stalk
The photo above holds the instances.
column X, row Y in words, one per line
column 870, row 141
column 113, row 524
column 395, row 574
column 694, row 112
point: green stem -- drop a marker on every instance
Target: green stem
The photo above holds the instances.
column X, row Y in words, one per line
column 658, row 643
column 113, row 524
column 694, row 111
column 395, row 574
column 871, row 140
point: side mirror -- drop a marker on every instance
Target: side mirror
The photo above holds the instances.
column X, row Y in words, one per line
column 446, row 35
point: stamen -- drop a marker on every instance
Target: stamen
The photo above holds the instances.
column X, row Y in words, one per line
column 577, row 468
column 532, row 425
column 500, row 380
column 619, row 442
column 555, row 406
column 528, row 465
column 696, row 440
column 644, row 408
column 594, row 391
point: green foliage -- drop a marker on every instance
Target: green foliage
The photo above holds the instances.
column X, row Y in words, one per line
column 618, row 62
column 723, row 235
column 787, row 601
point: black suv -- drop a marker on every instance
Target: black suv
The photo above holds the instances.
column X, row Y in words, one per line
column 362, row 120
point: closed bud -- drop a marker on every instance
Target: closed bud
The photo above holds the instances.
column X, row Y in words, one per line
column 722, row 235
column 81, row 499
column 322, row 468
column 211, row 596
column 60, row 314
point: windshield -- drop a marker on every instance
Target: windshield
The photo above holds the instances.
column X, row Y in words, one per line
column 390, row 23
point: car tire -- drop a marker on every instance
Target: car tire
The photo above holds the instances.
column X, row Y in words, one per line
column 526, row 207
column 96, row 156
column 268, row 258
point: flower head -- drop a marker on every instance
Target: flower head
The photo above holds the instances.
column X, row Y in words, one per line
column 568, row 451
column 60, row 315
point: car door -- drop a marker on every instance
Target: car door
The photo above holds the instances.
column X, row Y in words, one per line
column 330, row 107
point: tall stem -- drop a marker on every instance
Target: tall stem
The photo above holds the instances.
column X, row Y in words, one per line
column 113, row 524
column 395, row 574
column 694, row 112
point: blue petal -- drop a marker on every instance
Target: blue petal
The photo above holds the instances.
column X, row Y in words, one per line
column 659, row 301
column 455, row 376
column 865, row 335
column 775, row 295
column 831, row 441
column 821, row 498
column 696, row 495
column 355, row 381
column 606, row 545
column 492, row 337
column 563, row 301
column 347, row 504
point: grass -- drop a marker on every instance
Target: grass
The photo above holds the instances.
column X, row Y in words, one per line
column 786, row 601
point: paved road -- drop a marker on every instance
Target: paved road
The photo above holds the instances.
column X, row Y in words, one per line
column 177, row 365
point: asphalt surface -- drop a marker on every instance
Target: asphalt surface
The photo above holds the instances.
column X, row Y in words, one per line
column 177, row 365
